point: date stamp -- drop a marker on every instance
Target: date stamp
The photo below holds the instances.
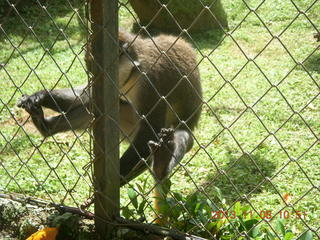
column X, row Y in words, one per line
column 263, row 214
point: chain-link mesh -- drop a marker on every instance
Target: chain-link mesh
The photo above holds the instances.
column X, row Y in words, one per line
column 253, row 170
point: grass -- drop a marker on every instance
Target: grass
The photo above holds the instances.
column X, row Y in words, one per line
column 258, row 137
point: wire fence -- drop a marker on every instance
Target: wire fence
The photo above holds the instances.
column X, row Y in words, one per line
column 248, row 168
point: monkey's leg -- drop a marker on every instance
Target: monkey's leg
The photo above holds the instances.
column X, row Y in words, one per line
column 169, row 151
column 160, row 193
column 60, row 100
column 74, row 119
column 166, row 154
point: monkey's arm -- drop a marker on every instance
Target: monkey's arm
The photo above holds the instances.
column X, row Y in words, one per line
column 131, row 163
column 72, row 101
column 60, row 100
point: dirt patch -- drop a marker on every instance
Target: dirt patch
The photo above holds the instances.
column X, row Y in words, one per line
column 19, row 221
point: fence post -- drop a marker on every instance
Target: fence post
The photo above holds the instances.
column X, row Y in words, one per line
column 104, row 49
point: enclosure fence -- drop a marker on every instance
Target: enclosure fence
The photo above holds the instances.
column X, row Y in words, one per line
column 253, row 171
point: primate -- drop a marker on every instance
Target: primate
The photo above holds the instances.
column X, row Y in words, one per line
column 159, row 89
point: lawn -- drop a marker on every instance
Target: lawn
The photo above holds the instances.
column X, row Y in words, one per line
column 258, row 137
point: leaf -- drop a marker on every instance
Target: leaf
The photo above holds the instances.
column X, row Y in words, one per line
column 281, row 228
column 66, row 218
column 191, row 202
column 178, row 196
column 140, row 188
column 218, row 193
column 141, row 207
column 132, row 194
column 198, row 207
column 288, row 236
column 237, row 209
column 176, row 212
column 270, row 234
column 126, row 212
column 164, row 207
column 210, row 226
column 250, row 223
column 306, row 236
column 255, row 232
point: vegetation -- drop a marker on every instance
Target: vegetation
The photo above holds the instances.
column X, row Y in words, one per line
column 257, row 145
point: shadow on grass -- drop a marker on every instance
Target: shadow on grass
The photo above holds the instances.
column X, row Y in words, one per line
column 313, row 62
column 244, row 176
column 17, row 144
column 208, row 39
column 19, row 26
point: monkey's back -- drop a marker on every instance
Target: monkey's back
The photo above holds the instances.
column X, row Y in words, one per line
column 172, row 67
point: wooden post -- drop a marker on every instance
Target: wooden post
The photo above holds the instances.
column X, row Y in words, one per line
column 104, row 49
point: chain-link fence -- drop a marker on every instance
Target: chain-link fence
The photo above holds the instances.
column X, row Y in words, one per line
column 247, row 167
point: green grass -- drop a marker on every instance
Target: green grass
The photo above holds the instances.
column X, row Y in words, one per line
column 259, row 129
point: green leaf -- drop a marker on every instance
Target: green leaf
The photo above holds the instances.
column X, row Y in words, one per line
column 141, row 207
column 178, row 196
column 306, row 236
column 255, row 232
column 270, row 234
column 288, row 236
column 164, row 207
column 210, row 226
column 191, row 202
column 133, row 197
column 218, row 193
column 176, row 212
column 280, row 227
column 140, row 188
column 66, row 218
column 126, row 212
column 198, row 207
column 237, row 209
column 250, row 223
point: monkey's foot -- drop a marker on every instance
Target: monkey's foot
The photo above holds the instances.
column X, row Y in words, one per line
column 165, row 142
column 162, row 152
column 31, row 104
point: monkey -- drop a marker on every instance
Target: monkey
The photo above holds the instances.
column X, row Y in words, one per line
column 159, row 88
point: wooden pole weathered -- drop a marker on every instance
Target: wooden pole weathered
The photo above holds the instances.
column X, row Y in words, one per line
column 104, row 51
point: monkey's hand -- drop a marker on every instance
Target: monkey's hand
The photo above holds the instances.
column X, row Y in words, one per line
column 31, row 104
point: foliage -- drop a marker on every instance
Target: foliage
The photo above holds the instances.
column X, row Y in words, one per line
column 196, row 214
column 67, row 223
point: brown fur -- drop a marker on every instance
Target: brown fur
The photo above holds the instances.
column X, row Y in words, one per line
column 170, row 65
